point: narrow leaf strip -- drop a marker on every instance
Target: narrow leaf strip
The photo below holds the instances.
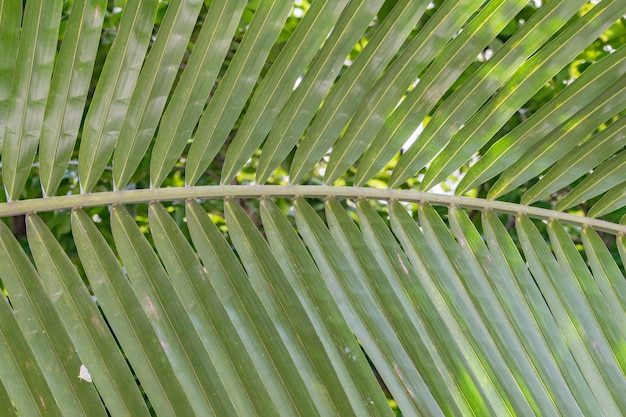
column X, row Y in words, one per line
column 289, row 317
column 607, row 176
column 478, row 88
column 584, row 299
column 607, row 275
column 434, row 83
column 514, row 144
column 462, row 295
column 10, row 20
column 572, row 132
column 526, row 81
column 20, row 371
column 44, row 330
column 352, row 243
column 399, row 293
column 29, row 93
column 433, row 269
column 6, row 407
column 115, row 87
column 482, row 282
column 384, row 96
column 549, row 278
column 275, row 89
column 347, row 93
column 342, row 275
column 209, row 317
column 344, row 353
column 191, row 362
column 153, row 87
column 621, row 248
column 254, row 326
column 84, row 323
column 612, row 201
column 305, row 101
column 127, row 319
column 195, row 85
column 68, row 92
column 530, row 315
column 579, row 161
column 236, row 85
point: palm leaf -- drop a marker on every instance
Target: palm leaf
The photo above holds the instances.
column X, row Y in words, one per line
column 178, row 294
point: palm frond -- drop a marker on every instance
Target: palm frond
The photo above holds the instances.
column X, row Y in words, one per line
column 196, row 291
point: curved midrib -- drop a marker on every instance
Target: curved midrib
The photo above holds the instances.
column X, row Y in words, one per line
column 68, row 202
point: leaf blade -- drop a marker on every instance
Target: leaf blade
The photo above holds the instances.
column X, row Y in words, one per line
column 566, row 136
column 304, row 102
column 579, row 161
column 231, row 95
column 230, row 283
column 84, row 323
column 46, row 335
column 209, row 317
column 130, row 325
column 355, row 374
column 10, row 18
column 194, row 87
column 152, row 90
column 68, row 91
column 545, row 269
column 509, row 148
column 190, row 361
column 275, row 89
column 29, row 93
column 113, row 92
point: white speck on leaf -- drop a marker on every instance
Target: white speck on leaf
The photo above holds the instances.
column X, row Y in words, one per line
column 151, row 309
column 84, row 373
column 406, row 271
